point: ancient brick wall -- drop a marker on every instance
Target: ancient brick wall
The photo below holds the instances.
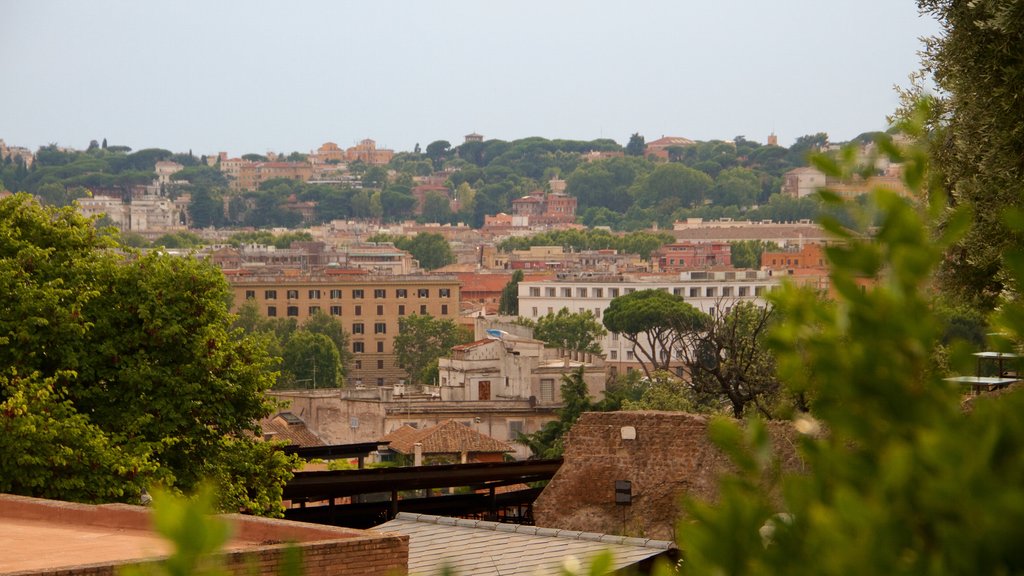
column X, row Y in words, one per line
column 671, row 456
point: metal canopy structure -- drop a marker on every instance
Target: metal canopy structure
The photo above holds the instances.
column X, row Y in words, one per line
column 339, row 483
column 336, row 451
column 385, row 485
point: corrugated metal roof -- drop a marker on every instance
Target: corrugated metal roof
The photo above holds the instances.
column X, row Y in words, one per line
column 477, row 547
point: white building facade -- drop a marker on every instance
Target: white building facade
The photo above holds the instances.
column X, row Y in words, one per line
column 706, row 290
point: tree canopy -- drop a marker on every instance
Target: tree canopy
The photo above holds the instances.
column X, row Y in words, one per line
column 134, row 352
column 578, row 331
column 656, row 323
column 421, row 340
column 509, row 302
column 430, row 250
column 978, row 143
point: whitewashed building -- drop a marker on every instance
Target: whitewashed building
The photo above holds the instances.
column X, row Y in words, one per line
column 706, row 290
column 511, row 368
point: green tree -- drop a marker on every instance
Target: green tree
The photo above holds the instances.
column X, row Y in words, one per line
column 896, row 476
column 747, row 253
column 141, row 347
column 50, row 450
column 437, row 151
column 436, row 207
column 636, row 145
column 508, row 304
column 179, row 240
column 310, row 360
column 206, row 208
column 665, row 391
column 671, row 186
column 978, row 144
column 431, row 250
column 656, row 323
column 570, row 331
column 421, row 340
column 735, row 187
column 731, row 359
column 331, row 327
column 547, row 442
column 606, row 183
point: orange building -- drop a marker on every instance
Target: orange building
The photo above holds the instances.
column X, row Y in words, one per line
column 368, row 153
column 659, row 148
column 807, row 256
column 693, row 255
column 369, row 306
column 329, row 153
column 251, row 175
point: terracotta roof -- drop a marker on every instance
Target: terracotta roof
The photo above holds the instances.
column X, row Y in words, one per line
column 473, row 282
column 448, row 437
column 471, row 345
column 290, row 429
column 671, row 141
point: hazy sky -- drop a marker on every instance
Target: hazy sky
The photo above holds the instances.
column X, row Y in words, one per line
column 289, row 75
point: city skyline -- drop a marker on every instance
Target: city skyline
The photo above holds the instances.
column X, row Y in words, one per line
column 257, row 77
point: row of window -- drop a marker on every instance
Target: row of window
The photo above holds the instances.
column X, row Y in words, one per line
column 359, row 347
column 358, row 365
column 335, row 294
column 693, row 291
column 357, row 311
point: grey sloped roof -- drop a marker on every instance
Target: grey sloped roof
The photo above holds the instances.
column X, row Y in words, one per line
column 479, row 548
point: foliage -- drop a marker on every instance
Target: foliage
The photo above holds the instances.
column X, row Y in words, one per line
column 139, row 347
column 310, row 360
column 902, row 480
column 321, row 342
column 421, row 340
column 547, row 442
column 642, row 243
column 196, row 534
column 197, row 538
column 731, row 359
column 570, row 331
column 664, row 391
column 331, row 327
column 436, row 207
column 671, row 186
column 978, row 143
column 179, row 240
column 268, row 238
column 508, row 304
column 432, row 251
column 656, row 323
column 606, row 183
column 636, row 145
column 747, row 253
column 51, row 450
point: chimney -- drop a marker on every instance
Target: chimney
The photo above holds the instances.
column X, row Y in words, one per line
column 417, row 451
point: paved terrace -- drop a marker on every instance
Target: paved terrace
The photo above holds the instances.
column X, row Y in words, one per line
column 50, row 537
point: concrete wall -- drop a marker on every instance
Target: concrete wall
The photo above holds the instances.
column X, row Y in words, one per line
column 671, row 456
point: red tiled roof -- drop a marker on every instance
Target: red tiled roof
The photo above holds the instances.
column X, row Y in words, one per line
column 448, row 437
column 474, row 344
column 671, row 141
column 290, row 434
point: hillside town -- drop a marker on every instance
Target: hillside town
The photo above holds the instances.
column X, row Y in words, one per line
column 263, row 312
column 495, row 296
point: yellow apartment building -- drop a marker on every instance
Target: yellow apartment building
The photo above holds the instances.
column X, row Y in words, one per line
column 368, row 305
